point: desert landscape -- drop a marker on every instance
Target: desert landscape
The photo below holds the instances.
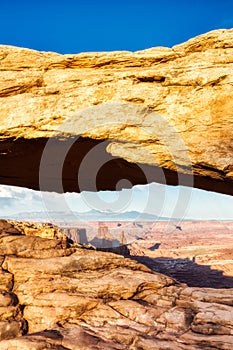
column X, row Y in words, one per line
column 54, row 292
column 199, row 253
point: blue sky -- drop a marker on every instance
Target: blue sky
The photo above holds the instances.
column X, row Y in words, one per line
column 73, row 26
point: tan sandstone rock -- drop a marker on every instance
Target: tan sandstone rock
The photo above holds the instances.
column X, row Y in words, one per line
column 165, row 107
column 87, row 299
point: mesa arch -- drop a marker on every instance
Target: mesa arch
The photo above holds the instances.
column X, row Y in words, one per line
column 162, row 114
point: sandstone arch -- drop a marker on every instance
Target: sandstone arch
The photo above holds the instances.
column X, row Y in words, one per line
column 189, row 86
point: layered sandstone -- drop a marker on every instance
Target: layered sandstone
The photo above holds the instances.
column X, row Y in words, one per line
column 46, row 230
column 168, row 108
column 70, row 298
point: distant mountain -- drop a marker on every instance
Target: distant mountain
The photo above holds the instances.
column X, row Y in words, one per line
column 92, row 215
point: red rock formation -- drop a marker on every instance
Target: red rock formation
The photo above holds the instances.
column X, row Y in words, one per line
column 66, row 298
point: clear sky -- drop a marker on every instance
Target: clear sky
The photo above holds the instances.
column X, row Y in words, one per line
column 73, row 26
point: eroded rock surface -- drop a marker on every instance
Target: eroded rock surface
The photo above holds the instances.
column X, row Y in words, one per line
column 43, row 230
column 71, row 298
column 197, row 253
column 168, row 108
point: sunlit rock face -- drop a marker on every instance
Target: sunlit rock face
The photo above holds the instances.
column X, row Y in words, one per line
column 161, row 108
column 56, row 296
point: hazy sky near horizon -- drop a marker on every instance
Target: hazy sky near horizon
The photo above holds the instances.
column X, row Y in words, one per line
column 73, row 26
column 161, row 200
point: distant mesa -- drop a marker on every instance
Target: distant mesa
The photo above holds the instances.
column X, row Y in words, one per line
column 77, row 235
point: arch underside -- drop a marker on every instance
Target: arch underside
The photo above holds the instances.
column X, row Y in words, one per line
column 20, row 162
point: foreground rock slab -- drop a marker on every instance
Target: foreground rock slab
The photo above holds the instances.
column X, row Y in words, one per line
column 72, row 298
column 168, row 108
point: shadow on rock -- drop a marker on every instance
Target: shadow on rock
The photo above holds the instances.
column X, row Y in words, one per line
column 187, row 271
